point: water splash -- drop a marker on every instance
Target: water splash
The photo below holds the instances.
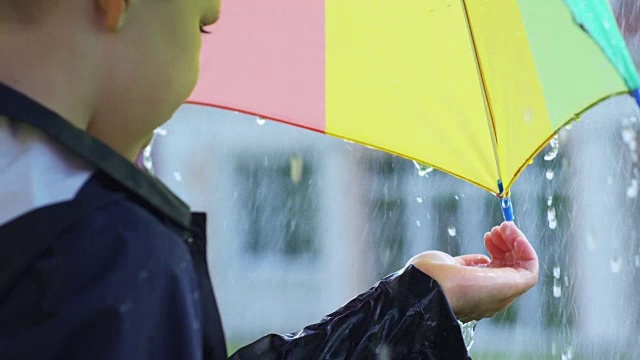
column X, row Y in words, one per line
column 423, row 170
column 468, row 332
column 567, row 355
column 554, row 147
column 160, row 131
column 616, row 264
column 452, row 231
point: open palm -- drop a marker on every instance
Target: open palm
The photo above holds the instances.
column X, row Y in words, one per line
column 477, row 286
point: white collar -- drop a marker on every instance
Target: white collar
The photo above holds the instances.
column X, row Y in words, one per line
column 35, row 172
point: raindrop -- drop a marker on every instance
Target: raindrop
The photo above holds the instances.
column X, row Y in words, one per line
column 452, row 231
column 591, row 242
column 549, row 174
column 147, row 160
column 160, row 131
column 556, row 272
column 616, row 264
column 423, row 170
column 457, row 197
column 419, row 199
column 418, row 223
column 553, row 152
column 632, row 190
column 629, row 137
column 296, row 169
column 569, row 126
column 260, row 121
column 551, row 218
column 177, row 176
column 549, row 200
column 557, row 289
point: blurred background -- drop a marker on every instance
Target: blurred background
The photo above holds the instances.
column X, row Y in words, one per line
column 299, row 223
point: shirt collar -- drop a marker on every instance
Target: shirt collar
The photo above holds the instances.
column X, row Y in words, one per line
column 19, row 107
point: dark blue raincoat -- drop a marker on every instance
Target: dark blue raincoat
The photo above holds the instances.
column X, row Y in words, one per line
column 119, row 272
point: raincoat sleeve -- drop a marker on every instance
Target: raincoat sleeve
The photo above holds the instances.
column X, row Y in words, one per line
column 404, row 316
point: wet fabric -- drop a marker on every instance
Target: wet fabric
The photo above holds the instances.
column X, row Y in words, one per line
column 120, row 272
column 405, row 316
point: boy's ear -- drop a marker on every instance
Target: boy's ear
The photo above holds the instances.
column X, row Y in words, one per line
column 112, row 13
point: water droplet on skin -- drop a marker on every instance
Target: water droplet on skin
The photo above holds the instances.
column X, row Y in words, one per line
column 418, row 223
column 160, row 131
column 549, row 174
column 452, row 231
column 423, row 170
column 551, row 218
column 556, row 272
column 557, row 288
column 616, row 264
column 554, row 148
column 260, row 121
column 177, row 176
column 419, row 199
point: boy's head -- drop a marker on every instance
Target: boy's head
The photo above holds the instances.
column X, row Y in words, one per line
column 118, row 68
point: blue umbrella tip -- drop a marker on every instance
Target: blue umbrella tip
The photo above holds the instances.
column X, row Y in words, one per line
column 636, row 94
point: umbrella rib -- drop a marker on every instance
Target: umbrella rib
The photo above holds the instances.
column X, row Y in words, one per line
column 485, row 96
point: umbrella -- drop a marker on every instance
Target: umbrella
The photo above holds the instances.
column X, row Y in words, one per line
column 475, row 88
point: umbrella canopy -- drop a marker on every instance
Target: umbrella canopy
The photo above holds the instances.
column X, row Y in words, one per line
column 474, row 88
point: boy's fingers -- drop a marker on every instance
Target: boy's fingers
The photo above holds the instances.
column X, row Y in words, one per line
column 493, row 250
column 498, row 239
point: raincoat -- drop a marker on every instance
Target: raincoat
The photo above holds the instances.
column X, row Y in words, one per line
column 120, row 272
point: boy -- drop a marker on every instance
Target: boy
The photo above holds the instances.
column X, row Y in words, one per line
column 101, row 261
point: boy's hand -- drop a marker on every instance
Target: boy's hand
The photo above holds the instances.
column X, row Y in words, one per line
column 478, row 287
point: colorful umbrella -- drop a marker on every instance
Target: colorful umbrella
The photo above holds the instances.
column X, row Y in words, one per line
column 475, row 88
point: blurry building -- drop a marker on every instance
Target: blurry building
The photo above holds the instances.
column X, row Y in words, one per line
column 299, row 223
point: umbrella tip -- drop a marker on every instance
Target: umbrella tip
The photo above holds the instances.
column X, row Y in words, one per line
column 505, row 203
